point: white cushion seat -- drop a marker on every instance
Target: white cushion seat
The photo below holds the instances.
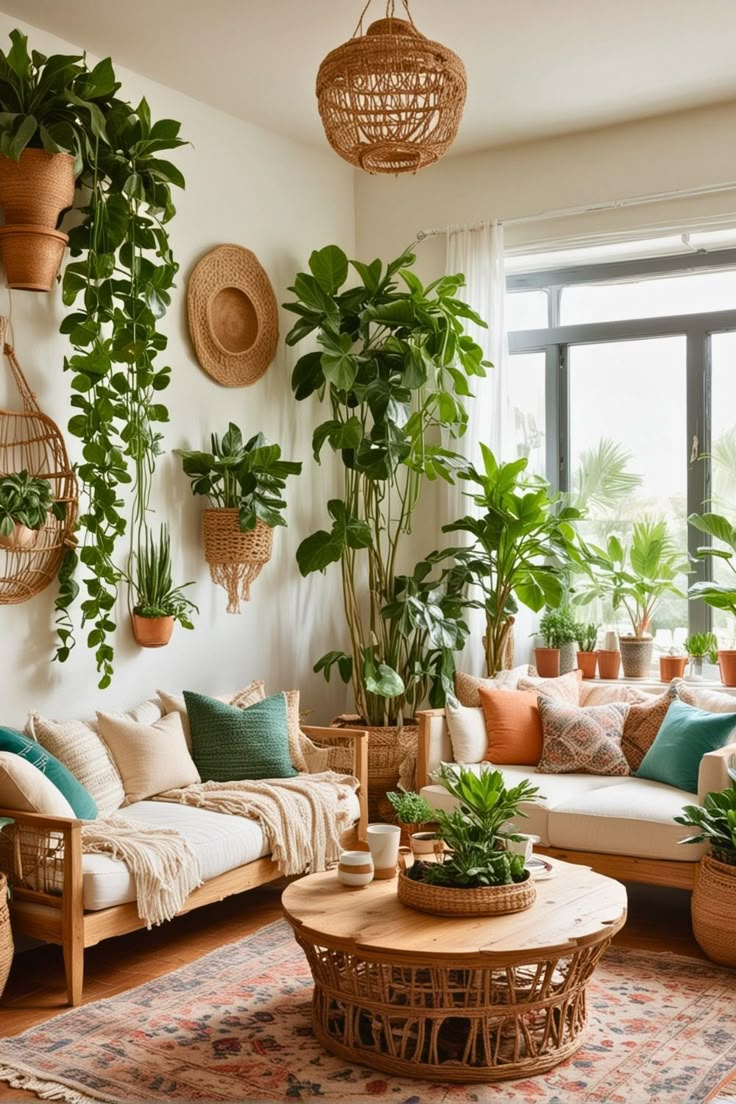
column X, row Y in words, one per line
column 221, row 842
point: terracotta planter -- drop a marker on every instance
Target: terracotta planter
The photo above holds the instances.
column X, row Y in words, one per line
column 671, row 667
column 547, row 662
column 152, row 632
column 37, row 188
column 31, row 256
column 609, row 664
column 587, row 663
column 21, row 539
column 636, row 656
column 727, row 665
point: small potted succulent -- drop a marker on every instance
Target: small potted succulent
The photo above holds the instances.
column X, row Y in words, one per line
column 474, row 872
column 413, row 814
column 559, row 631
column 25, row 504
column 244, row 482
column 719, row 595
column 714, row 894
column 700, row 647
column 158, row 603
column 587, row 655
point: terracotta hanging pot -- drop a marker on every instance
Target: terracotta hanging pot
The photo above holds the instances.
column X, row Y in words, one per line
column 671, row 667
column 609, row 663
column 37, row 188
column 547, row 662
column 727, row 665
column 31, row 256
column 152, row 632
column 587, row 663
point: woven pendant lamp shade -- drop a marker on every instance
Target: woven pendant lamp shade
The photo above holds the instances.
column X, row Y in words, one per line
column 390, row 100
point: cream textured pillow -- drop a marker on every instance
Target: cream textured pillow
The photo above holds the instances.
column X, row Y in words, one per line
column 150, row 758
column 467, row 687
column 468, row 736
column 590, row 694
column 712, row 701
column 25, row 788
column 174, row 703
column 564, row 688
column 78, row 745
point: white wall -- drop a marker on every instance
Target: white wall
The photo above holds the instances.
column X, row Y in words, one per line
column 281, row 200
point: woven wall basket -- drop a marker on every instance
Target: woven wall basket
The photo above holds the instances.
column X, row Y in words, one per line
column 30, row 441
column 235, row 558
column 391, row 100
column 233, row 316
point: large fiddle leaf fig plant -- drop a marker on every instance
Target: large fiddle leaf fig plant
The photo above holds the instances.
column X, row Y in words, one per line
column 392, row 367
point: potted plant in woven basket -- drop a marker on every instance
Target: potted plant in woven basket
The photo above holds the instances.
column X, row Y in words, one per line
column 714, row 895
column 244, row 482
column 720, row 595
column 158, row 603
column 636, row 578
column 25, row 504
column 413, row 813
column 474, row 875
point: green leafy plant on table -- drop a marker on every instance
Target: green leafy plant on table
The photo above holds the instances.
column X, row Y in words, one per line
column 521, row 537
column 393, row 368
column 119, row 283
column 26, row 500
column 477, row 831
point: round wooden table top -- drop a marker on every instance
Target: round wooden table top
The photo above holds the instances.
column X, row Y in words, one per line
column 572, row 909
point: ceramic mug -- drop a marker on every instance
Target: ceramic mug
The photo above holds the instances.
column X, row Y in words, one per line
column 523, row 846
column 355, row 869
column 383, row 840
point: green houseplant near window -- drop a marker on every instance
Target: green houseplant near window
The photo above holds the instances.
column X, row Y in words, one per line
column 25, row 503
column 718, row 595
column 157, row 603
column 392, row 367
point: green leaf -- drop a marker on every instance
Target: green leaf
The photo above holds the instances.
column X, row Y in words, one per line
column 329, row 266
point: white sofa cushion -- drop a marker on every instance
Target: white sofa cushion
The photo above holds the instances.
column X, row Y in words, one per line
column 221, row 842
column 634, row 818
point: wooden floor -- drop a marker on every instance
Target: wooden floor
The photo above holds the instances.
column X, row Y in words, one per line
column 659, row 920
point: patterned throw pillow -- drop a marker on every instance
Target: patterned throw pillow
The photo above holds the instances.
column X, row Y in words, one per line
column 229, row 744
column 580, row 740
column 644, row 720
column 564, row 688
column 467, row 687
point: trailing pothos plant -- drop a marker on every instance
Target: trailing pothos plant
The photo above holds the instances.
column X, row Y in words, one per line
column 392, row 367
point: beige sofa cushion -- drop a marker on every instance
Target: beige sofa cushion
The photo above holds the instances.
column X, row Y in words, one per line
column 592, row 694
column 25, row 788
column 713, row 701
column 467, row 687
column 150, row 758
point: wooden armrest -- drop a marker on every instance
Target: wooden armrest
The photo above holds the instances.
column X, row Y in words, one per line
column 424, row 718
column 41, row 821
column 358, row 737
column 42, row 855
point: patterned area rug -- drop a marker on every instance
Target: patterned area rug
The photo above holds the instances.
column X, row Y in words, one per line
column 235, row 1026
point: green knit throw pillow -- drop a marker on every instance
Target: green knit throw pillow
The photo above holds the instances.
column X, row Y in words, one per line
column 229, row 743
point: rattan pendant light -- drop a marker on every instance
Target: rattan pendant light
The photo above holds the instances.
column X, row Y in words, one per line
column 390, row 99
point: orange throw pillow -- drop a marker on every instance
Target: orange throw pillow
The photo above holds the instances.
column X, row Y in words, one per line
column 514, row 726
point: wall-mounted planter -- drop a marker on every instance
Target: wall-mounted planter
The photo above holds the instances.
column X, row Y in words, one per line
column 235, row 558
column 31, row 256
column 152, row 632
column 36, row 189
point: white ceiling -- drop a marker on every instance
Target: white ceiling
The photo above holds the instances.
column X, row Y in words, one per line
column 535, row 67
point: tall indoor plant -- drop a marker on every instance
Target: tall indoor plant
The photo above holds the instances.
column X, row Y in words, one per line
column 718, row 595
column 521, row 537
column 392, row 367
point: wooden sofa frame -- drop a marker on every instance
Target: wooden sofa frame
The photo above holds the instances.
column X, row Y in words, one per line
column 59, row 916
column 625, row 868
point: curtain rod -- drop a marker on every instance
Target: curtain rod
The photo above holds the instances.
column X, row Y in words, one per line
column 608, row 205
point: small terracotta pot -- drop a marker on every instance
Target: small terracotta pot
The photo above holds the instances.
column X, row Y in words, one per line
column 36, row 189
column 21, row 538
column 587, row 663
column 31, row 256
column 547, row 662
column 609, row 664
column 727, row 664
column 152, row 632
column 671, row 667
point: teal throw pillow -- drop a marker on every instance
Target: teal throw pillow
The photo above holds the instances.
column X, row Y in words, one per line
column 79, row 798
column 229, row 744
column 685, row 736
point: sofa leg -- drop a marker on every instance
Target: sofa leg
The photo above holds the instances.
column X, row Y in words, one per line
column 74, row 970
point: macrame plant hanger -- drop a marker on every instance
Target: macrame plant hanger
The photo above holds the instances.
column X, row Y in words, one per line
column 30, row 441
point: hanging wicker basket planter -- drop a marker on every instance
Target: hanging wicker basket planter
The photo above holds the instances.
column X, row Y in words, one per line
column 391, row 100
column 31, row 441
column 37, row 188
column 235, row 558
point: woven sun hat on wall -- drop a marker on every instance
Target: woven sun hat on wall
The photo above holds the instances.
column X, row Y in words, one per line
column 233, row 315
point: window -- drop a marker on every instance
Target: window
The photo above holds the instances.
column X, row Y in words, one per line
column 635, row 370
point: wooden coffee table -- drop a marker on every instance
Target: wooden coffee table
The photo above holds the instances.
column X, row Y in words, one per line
column 482, row 999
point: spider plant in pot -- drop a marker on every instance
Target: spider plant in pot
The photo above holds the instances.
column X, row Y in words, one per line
column 719, row 595
column 244, row 482
column 413, row 814
column 701, row 647
column 25, row 504
column 714, row 894
column 559, row 630
column 636, row 578
column 474, row 870
column 587, row 656
column 158, row 604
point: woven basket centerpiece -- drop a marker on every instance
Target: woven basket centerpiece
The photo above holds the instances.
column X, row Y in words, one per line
column 450, row 901
column 391, row 100
column 235, row 558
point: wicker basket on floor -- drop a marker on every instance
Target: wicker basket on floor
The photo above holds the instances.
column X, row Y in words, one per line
column 449, row 901
column 6, row 937
column 714, row 910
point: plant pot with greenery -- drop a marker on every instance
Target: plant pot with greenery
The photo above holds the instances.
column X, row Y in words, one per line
column 719, row 595
column 701, row 647
column 413, row 813
column 587, row 656
column 636, row 578
column 522, row 536
column 25, row 504
column 713, row 903
column 244, row 482
column 158, row 603
column 392, row 368
column 475, row 875
column 560, row 631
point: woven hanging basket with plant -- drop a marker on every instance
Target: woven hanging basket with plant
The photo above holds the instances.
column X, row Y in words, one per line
column 244, row 482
